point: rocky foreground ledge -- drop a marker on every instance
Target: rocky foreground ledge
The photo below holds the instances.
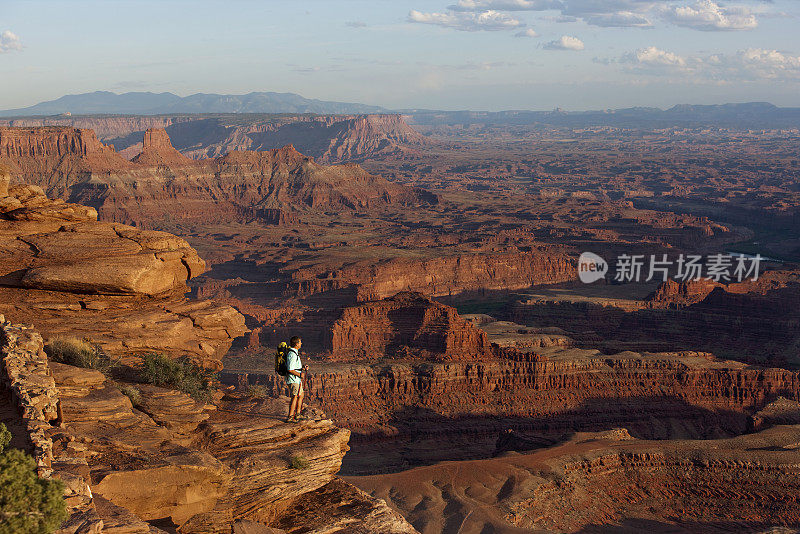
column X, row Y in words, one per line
column 171, row 464
column 120, row 286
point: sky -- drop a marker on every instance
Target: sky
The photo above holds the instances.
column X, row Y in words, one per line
column 422, row 54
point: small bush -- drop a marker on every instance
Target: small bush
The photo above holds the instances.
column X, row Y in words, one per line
column 182, row 375
column 79, row 353
column 5, row 437
column 258, row 392
column 133, row 394
column 298, row 462
column 28, row 504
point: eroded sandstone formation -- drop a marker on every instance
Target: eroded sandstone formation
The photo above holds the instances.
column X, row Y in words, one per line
column 441, row 276
column 130, row 462
column 329, row 139
column 203, row 468
column 160, row 184
column 120, row 286
column 405, row 325
column 654, row 395
column 158, row 150
column 751, row 321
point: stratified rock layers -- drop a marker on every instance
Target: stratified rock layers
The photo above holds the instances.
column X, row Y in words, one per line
column 120, row 286
column 654, row 395
column 162, row 184
column 442, row 276
column 329, row 138
column 406, row 322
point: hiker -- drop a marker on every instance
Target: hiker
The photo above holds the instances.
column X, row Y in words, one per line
column 295, row 379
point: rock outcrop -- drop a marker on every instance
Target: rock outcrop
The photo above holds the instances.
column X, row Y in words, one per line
column 674, row 293
column 160, row 184
column 405, row 325
column 749, row 321
column 440, row 276
column 329, row 139
column 655, row 396
column 120, row 286
column 158, row 150
column 206, row 468
column 54, row 158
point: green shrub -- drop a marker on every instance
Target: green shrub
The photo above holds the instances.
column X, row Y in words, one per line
column 298, row 462
column 132, row 393
column 79, row 353
column 5, row 437
column 183, row 375
column 258, row 392
column 28, row 504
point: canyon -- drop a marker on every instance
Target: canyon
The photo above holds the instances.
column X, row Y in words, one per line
column 482, row 386
column 326, row 138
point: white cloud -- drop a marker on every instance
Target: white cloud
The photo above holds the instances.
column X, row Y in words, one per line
column 9, row 41
column 707, row 15
column 355, row 24
column 505, row 5
column 759, row 63
column 654, row 57
column 751, row 64
column 566, row 42
column 620, row 19
column 466, row 21
column 530, row 32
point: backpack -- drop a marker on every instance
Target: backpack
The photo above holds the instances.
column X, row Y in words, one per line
column 280, row 358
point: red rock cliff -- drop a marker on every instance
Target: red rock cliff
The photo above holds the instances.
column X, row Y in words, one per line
column 161, row 183
column 443, row 276
column 406, row 324
column 48, row 142
column 655, row 396
column 158, row 150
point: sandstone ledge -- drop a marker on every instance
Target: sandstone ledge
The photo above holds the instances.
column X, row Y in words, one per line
column 121, row 287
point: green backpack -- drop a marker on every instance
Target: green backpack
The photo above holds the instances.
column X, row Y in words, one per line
column 280, row 358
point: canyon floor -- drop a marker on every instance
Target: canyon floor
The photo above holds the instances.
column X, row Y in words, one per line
column 432, row 271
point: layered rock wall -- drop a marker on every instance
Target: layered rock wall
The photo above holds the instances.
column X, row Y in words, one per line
column 579, row 390
column 162, row 184
column 25, row 372
column 26, row 375
column 329, row 139
column 407, row 323
column 442, row 276
column 48, row 142
column 117, row 285
column 730, row 486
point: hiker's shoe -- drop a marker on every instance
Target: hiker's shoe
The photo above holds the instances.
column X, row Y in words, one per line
column 290, row 420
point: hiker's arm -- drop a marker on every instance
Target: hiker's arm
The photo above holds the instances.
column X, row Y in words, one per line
column 296, row 373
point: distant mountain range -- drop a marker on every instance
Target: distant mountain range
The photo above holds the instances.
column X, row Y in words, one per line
column 141, row 103
column 745, row 115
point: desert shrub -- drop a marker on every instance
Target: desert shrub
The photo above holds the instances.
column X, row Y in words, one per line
column 132, row 393
column 5, row 437
column 28, row 504
column 183, row 375
column 258, row 392
column 298, row 462
column 79, row 353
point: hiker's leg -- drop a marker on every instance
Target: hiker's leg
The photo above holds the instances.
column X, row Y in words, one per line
column 292, row 407
column 300, row 397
